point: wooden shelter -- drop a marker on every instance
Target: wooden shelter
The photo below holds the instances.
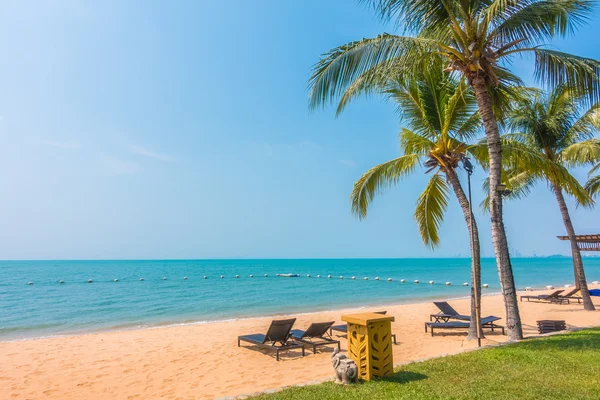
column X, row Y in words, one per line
column 585, row 242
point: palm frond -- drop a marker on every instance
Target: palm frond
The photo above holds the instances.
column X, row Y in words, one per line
column 505, row 93
column 479, row 152
column 593, row 186
column 460, row 111
column 518, row 183
column 555, row 68
column 571, row 186
column 372, row 81
column 582, row 153
column 378, row 178
column 494, row 10
column 534, row 22
column 415, row 15
column 553, row 121
column 587, row 124
column 411, row 107
column 435, row 90
column 413, row 143
column 341, row 66
column 430, row 209
column 470, row 128
column 519, row 156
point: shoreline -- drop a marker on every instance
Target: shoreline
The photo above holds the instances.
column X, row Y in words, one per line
column 121, row 328
column 93, row 331
column 203, row 361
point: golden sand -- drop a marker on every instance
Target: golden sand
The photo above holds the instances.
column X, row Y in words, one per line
column 203, row 361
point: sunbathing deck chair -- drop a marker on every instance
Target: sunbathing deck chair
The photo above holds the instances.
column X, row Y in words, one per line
column 487, row 322
column 571, row 296
column 279, row 332
column 447, row 313
column 344, row 328
column 552, row 297
column 317, row 334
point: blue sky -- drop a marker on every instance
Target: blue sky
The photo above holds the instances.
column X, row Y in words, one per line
column 181, row 130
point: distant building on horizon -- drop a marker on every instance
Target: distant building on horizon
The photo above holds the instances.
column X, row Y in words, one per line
column 516, row 253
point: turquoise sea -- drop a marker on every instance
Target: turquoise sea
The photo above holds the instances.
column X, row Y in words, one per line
column 48, row 307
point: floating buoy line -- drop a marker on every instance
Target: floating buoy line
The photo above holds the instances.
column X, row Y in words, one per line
column 366, row 278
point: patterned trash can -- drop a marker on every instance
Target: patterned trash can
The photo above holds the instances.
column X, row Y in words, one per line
column 370, row 344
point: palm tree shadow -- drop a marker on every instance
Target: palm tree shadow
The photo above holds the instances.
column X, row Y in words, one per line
column 401, row 377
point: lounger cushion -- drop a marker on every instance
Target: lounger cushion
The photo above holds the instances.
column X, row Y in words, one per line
column 452, row 316
column 489, row 319
column 297, row 333
column 448, row 324
column 540, row 296
column 453, row 324
column 258, row 338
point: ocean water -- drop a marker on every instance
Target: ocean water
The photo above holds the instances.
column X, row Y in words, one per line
column 48, row 307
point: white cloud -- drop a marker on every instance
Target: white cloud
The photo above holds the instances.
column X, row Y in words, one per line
column 141, row 151
column 57, row 144
column 115, row 166
column 348, row 163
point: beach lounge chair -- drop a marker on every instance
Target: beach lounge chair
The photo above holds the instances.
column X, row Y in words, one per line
column 487, row 322
column 571, row 296
column 278, row 337
column 344, row 328
column 447, row 313
column 317, row 334
column 552, row 297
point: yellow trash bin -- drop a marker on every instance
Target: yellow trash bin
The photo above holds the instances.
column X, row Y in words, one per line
column 370, row 344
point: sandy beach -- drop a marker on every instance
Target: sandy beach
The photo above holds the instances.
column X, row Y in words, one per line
column 203, row 361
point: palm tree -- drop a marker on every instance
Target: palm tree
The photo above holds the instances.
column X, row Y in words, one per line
column 560, row 128
column 476, row 39
column 442, row 114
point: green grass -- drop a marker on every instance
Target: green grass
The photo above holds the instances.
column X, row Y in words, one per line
column 561, row 367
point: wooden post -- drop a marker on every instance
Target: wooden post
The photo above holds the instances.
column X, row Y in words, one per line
column 370, row 344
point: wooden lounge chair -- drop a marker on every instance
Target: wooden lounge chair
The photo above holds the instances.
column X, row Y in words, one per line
column 344, row 328
column 487, row 322
column 278, row 337
column 551, row 298
column 571, row 296
column 316, row 335
column 447, row 313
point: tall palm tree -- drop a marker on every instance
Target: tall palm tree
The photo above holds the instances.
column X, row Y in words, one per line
column 560, row 128
column 476, row 39
column 441, row 115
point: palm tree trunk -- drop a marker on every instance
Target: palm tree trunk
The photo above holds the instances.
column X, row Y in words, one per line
column 475, row 255
column 507, row 281
column 580, row 281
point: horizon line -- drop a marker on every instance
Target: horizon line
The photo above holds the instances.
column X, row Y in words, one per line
column 280, row 258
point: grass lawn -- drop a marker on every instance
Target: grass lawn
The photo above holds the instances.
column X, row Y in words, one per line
column 561, row 367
